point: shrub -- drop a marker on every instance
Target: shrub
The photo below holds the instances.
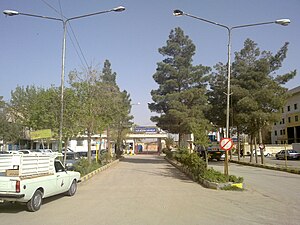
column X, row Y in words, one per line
column 83, row 166
column 198, row 168
column 231, row 188
column 235, row 179
column 214, row 176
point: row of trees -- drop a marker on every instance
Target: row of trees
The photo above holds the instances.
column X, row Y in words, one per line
column 93, row 103
column 192, row 98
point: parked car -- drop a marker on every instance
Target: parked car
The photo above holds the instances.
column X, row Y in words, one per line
column 266, row 154
column 71, row 160
column 290, row 154
column 24, row 151
column 43, row 150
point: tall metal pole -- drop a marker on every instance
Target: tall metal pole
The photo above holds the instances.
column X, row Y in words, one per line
column 228, row 96
column 62, row 81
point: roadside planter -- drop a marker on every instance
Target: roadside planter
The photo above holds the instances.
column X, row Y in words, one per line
column 102, row 168
column 204, row 182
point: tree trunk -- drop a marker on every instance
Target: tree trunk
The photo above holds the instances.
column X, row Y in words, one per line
column 238, row 146
column 89, row 153
column 108, row 142
column 255, row 146
column 66, row 150
column 260, row 145
column 251, row 148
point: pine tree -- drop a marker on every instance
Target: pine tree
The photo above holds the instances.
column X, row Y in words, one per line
column 180, row 99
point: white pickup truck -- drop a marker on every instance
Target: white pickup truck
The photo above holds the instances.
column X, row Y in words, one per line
column 28, row 178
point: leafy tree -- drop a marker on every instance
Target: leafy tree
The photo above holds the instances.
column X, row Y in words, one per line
column 10, row 132
column 217, row 95
column 257, row 89
column 258, row 94
column 122, row 121
column 100, row 99
column 180, row 98
column 21, row 105
column 107, row 75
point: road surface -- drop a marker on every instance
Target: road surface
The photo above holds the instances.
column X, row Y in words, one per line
column 146, row 189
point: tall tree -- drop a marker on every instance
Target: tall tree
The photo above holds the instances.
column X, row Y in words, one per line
column 217, row 95
column 10, row 131
column 100, row 98
column 258, row 94
column 107, row 75
column 180, row 98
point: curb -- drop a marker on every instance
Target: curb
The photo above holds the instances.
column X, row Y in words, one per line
column 270, row 167
column 102, row 168
column 203, row 182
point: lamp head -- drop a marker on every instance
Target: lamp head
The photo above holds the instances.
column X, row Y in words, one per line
column 9, row 12
column 119, row 9
column 178, row 12
column 283, row 22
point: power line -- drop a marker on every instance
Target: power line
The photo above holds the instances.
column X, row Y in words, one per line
column 60, row 13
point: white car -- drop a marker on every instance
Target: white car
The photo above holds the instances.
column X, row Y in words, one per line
column 266, row 154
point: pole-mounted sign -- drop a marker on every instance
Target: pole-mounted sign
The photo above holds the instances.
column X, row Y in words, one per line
column 226, row 144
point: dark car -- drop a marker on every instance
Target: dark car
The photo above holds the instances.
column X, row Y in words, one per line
column 290, row 154
column 71, row 160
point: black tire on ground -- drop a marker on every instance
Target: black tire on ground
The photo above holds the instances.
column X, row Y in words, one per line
column 35, row 202
column 73, row 188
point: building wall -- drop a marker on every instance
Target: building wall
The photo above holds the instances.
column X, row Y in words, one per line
column 287, row 130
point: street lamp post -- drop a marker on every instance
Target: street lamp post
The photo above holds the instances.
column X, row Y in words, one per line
column 283, row 22
column 64, row 22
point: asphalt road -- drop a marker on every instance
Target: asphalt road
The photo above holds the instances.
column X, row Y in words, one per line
column 273, row 161
column 147, row 190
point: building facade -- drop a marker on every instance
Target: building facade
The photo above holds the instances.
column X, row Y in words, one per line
column 287, row 130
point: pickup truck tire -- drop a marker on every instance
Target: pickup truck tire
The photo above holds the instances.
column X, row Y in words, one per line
column 35, row 202
column 73, row 188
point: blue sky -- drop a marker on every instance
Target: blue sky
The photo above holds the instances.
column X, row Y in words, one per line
column 31, row 47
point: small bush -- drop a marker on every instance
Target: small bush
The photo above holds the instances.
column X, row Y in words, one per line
column 235, row 179
column 231, row 188
column 214, row 176
column 198, row 168
column 83, row 166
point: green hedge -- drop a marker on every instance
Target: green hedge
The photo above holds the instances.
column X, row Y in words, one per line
column 84, row 168
column 198, row 168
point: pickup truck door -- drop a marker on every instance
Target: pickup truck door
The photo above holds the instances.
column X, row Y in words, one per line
column 62, row 178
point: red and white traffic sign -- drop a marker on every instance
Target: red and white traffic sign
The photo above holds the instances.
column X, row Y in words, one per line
column 226, row 144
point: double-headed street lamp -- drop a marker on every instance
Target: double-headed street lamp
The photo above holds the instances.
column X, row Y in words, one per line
column 64, row 22
column 283, row 22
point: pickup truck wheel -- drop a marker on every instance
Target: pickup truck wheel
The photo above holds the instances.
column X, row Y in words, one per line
column 73, row 188
column 35, row 202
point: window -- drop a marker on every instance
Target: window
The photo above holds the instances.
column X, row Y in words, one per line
column 280, row 132
column 80, row 143
column 275, row 132
column 295, row 106
column 274, row 124
column 282, row 110
column 289, row 108
column 289, row 119
column 283, row 131
column 296, row 119
column 282, row 120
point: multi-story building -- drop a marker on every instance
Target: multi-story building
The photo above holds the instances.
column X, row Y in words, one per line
column 287, row 130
